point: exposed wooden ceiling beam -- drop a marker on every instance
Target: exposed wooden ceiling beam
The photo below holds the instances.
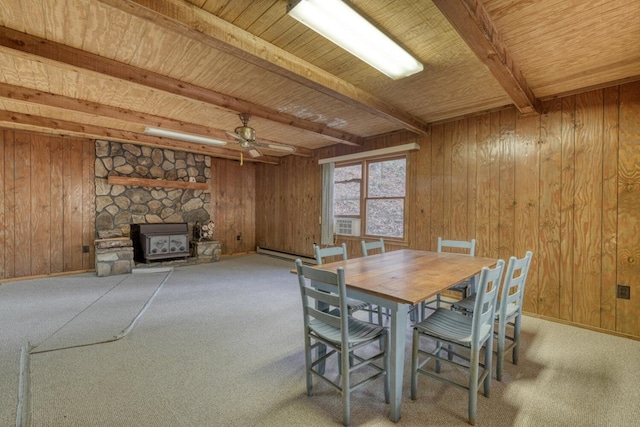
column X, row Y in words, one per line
column 80, row 59
column 58, row 101
column 61, row 127
column 473, row 24
column 193, row 22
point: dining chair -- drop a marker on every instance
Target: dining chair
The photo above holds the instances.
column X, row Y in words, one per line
column 367, row 247
column 379, row 245
column 370, row 246
column 458, row 246
column 337, row 252
column 509, row 311
column 343, row 334
column 460, row 332
column 341, row 252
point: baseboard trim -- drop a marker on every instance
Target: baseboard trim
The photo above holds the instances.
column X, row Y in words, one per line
column 285, row 255
column 591, row 328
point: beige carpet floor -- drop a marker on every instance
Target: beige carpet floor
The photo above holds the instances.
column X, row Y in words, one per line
column 221, row 345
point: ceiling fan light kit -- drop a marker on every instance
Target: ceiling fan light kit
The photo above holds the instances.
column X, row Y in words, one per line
column 336, row 21
column 182, row 136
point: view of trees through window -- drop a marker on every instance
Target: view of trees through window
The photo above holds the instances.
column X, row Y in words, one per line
column 376, row 197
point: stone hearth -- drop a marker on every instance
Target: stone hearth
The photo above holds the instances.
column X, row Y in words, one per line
column 114, row 256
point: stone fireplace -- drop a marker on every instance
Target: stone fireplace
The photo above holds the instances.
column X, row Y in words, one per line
column 147, row 185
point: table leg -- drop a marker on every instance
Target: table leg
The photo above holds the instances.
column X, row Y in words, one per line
column 398, row 332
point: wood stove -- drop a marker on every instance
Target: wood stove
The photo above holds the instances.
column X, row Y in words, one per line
column 153, row 242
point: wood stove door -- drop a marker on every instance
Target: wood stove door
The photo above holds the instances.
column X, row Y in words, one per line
column 156, row 246
column 178, row 244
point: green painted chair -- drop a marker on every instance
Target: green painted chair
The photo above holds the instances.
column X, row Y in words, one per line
column 464, row 336
column 376, row 245
column 340, row 252
column 340, row 333
column 509, row 312
column 465, row 288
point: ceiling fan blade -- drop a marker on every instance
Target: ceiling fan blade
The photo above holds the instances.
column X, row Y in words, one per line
column 237, row 137
column 277, row 147
column 253, row 152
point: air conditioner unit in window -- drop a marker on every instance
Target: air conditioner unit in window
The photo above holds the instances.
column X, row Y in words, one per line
column 347, row 226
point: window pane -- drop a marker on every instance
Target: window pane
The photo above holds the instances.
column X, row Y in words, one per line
column 387, row 178
column 346, row 190
column 385, row 217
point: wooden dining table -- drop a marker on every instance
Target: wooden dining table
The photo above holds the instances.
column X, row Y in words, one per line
column 396, row 280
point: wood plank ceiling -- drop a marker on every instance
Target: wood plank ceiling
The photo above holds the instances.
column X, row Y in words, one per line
column 108, row 68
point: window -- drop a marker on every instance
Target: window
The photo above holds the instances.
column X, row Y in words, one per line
column 369, row 197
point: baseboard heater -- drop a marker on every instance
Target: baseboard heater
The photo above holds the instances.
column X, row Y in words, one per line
column 285, row 255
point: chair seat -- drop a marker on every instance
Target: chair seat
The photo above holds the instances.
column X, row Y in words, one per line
column 355, row 305
column 461, row 287
column 451, row 326
column 468, row 303
column 359, row 331
column 465, row 304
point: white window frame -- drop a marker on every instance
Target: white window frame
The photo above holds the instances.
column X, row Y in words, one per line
column 327, row 196
column 365, row 197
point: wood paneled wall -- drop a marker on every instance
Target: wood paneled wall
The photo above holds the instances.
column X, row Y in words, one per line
column 47, row 204
column 233, row 205
column 564, row 184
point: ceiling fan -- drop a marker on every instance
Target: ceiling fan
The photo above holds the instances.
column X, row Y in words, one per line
column 246, row 137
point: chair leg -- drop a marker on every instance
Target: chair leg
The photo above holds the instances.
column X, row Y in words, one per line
column 516, row 338
column 437, row 353
column 473, row 385
column 322, row 350
column 414, row 365
column 308, row 361
column 488, row 358
column 502, row 330
column 340, row 362
column 346, row 391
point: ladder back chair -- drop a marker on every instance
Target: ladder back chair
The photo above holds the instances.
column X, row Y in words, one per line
column 367, row 247
column 342, row 334
column 509, row 312
column 460, row 332
column 341, row 252
column 459, row 246
column 371, row 246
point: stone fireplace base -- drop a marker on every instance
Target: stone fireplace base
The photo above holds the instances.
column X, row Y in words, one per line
column 114, row 256
column 206, row 250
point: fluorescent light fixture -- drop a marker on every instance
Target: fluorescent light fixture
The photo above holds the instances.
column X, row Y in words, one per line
column 336, row 21
column 183, row 136
column 281, row 147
